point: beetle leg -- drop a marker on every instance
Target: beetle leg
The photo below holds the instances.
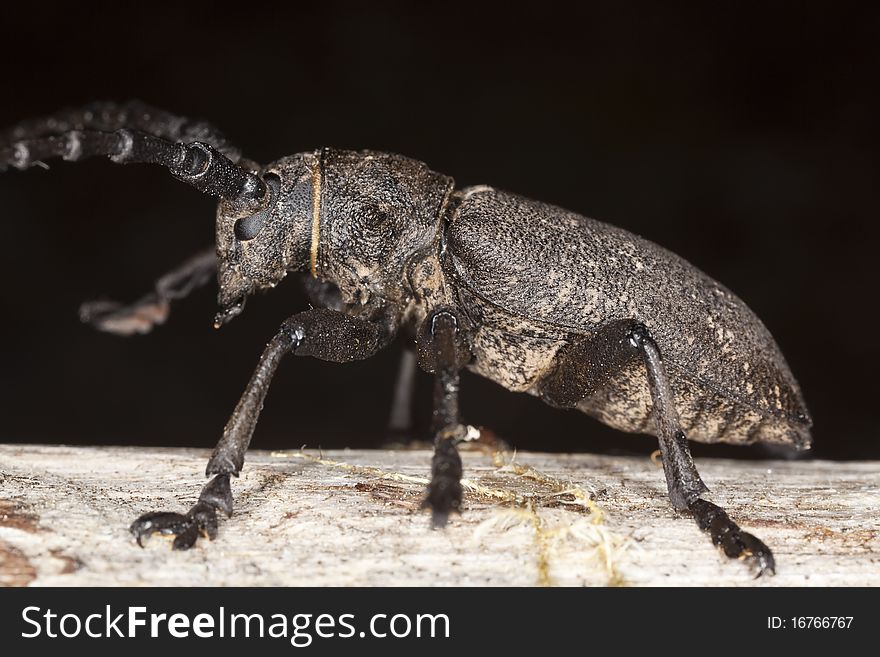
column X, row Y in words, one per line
column 324, row 294
column 200, row 520
column 324, row 334
column 587, row 362
column 152, row 309
column 444, row 350
column 400, row 420
column 682, row 479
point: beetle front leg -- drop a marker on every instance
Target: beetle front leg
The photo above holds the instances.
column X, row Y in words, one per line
column 324, row 334
column 444, row 350
column 152, row 309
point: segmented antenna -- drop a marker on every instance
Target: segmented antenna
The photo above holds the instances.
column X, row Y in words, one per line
column 134, row 132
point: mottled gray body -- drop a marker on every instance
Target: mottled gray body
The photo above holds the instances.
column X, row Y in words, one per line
column 533, row 277
column 396, row 239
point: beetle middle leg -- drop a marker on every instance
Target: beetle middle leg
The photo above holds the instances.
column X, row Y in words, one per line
column 400, row 419
column 324, row 334
column 444, row 350
column 587, row 362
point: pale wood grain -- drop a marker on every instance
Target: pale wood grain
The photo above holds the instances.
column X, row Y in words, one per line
column 65, row 511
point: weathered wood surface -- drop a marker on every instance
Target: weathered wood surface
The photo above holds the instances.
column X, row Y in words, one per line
column 353, row 518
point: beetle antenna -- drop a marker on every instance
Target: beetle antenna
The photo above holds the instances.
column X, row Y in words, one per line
column 192, row 151
column 110, row 116
column 196, row 163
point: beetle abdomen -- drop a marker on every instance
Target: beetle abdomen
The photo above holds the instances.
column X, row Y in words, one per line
column 537, row 272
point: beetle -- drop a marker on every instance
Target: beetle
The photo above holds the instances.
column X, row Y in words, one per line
column 540, row 300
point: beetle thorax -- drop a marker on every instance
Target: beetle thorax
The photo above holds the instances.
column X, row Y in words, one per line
column 377, row 213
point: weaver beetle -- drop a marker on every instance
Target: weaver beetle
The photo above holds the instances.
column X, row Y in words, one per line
column 536, row 298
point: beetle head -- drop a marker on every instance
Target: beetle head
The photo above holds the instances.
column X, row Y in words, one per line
column 352, row 218
column 255, row 250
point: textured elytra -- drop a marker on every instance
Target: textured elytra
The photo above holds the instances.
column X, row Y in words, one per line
column 534, row 277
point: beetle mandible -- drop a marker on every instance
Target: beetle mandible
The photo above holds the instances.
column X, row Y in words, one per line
column 536, row 298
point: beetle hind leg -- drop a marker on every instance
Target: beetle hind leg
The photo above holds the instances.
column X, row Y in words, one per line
column 734, row 542
column 587, row 362
column 682, row 479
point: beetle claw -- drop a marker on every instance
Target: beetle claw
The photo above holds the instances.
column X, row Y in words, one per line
column 735, row 543
column 439, row 519
column 159, row 522
column 757, row 555
column 187, row 538
column 186, row 529
column 443, row 498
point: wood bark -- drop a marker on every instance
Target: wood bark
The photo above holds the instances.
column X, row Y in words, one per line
column 353, row 518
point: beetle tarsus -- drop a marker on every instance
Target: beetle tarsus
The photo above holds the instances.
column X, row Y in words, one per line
column 187, row 538
column 139, row 317
column 201, row 520
column 217, row 494
column 158, row 522
column 730, row 539
column 152, row 309
column 444, row 494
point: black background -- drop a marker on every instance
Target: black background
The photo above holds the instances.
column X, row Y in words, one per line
column 743, row 137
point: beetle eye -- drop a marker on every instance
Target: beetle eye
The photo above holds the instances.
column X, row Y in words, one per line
column 247, row 228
